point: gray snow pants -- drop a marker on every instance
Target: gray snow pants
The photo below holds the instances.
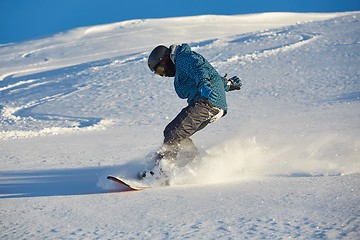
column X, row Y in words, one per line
column 190, row 120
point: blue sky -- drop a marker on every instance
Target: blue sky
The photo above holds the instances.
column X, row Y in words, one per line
column 22, row 20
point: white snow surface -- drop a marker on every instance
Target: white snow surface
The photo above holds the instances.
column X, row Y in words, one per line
column 283, row 163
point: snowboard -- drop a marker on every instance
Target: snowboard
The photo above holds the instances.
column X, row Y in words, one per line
column 131, row 184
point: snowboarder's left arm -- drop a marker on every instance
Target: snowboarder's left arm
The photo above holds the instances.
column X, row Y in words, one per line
column 200, row 71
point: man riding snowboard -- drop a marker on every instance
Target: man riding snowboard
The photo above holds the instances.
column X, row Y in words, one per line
column 197, row 81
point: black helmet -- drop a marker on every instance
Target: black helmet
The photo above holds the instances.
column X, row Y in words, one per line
column 156, row 56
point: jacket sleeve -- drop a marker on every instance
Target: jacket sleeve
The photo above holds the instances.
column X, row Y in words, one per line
column 180, row 89
column 198, row 70
column 226, row 83
column 190, row 74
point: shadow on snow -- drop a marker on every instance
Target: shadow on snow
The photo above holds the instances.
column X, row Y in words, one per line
column 63, row 182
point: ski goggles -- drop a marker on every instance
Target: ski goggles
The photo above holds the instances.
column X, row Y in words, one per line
column 160, row 68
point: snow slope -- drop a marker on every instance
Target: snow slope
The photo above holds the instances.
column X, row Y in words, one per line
column 284, row 162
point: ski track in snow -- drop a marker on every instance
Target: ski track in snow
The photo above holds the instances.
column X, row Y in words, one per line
column 284, row 162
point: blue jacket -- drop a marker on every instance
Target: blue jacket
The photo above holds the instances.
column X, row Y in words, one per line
column 192, row 71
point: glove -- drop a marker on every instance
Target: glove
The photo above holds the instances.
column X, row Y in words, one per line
column 233, row 83
column 208, row 93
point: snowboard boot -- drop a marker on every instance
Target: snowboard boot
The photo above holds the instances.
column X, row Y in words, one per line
column 160, row 173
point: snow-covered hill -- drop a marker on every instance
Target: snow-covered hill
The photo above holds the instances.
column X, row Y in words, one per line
column 283, row 163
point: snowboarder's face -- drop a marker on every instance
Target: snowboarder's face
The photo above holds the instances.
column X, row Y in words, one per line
column 160, row 69
column 165, row 68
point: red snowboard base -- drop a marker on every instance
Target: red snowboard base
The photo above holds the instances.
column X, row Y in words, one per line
column 132, row 184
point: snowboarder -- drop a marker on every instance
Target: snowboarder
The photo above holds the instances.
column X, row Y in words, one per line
column 197, row 81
